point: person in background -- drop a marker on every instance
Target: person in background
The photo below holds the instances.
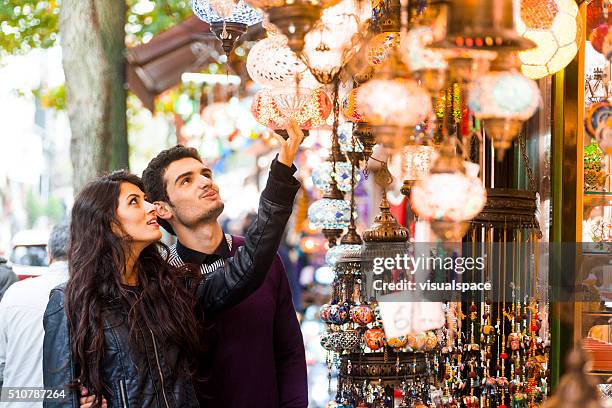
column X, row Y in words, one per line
column 7, row 276
column 21, row 320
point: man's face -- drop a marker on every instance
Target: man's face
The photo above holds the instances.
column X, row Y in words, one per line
column 194, row 198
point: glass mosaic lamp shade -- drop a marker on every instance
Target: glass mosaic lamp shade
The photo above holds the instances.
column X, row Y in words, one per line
column 272, row 64
column 274, row 107
column 214, row 11
column 394, row 102
column 348, row 142
column 228, row 20
column 448, row 178
column 351, row 106
column 427, row 65
column 330, row 43
column 332, row 214
column 554, row 25
column 321, row 176
column 293, row 18
column 335, row 253
column 504, row 100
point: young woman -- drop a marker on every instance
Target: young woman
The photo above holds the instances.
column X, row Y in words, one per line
column 124, row 325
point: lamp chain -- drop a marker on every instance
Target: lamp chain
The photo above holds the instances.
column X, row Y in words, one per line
column 530, row 176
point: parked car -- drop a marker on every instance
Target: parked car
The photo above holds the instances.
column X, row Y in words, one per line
column 29, row 253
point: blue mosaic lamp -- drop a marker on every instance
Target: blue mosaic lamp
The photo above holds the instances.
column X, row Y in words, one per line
column 228, row 19
column 504, row 100
column 321, row 176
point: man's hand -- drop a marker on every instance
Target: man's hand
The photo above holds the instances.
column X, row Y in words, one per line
column 290, row 146
column 87, row 401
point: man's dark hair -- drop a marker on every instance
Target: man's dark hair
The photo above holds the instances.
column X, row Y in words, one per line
column 153, row 175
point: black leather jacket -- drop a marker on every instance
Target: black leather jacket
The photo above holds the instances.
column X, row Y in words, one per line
column 153, row 378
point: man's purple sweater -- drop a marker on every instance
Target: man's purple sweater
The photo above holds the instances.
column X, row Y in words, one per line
column 256, row 352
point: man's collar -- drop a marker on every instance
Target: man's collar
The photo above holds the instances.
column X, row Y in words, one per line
column 192, row 256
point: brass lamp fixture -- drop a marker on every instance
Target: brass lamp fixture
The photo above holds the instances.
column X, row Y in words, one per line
column 476, row 31
column 293, row 18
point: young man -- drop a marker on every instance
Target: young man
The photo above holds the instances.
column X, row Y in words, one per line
column 21, row 320
column 256, row 351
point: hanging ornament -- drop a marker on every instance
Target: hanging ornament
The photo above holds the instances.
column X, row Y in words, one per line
column 416, row 161
column 331, row 212
column 349, row 144
column 504, row 99
column 394, row 105
column 374, row 338
column 426, row 65
column 603, row 135
column 330, row 44
column 430, row 197
column 228, row 20
column 321, row 176
column 598, row 36
column 351, row 110
column 272, row 64
column 476, row 30
column 273, row 108
column 293, row 18
column 554, row 25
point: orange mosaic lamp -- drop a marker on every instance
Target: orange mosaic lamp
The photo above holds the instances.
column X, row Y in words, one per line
column 273, row 108
column 350, row 107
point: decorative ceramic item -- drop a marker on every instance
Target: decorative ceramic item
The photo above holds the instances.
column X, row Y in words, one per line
column 362, row 315
column 374, row 338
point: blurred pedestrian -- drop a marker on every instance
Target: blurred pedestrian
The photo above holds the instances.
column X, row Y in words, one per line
column 7, row 276
column 21, row 318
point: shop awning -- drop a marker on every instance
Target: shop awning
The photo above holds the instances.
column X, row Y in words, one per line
column 156, row 66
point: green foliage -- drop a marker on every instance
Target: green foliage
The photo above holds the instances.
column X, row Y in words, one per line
column 36, row 208
column 28, row 24
column 52, row 98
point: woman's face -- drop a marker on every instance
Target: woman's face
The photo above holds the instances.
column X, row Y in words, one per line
column 136, row 216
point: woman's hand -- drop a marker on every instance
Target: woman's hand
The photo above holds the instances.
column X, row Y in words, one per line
column 87, row 401
column 290, row 146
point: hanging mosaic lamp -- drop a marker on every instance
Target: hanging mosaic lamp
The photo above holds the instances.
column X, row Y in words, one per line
column 503, row 99
column 332, row 213
column 330, row 44
column 351, row 110
column 416, row 162
column 476, row 30
column 293, row 18
column 554, row 26
column 272, row 64
column 394, row 104
column 274, row 107
column 430, row 197
column 349, row 143
column 427, row 66
column 228, row 20
column 321, row 176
